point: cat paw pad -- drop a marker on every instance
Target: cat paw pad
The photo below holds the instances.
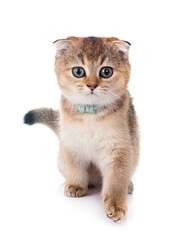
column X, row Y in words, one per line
column 130, row 188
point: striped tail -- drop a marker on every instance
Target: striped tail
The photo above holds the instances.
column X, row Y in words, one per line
column 46, row 116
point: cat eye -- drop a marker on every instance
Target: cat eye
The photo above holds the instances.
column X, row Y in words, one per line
column 78, row 72
column 106, row 72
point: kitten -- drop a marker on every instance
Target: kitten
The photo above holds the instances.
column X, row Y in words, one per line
column 96, row 123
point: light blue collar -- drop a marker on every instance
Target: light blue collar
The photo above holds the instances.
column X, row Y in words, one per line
column 87, row 108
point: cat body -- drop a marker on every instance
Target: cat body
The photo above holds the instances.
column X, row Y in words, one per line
column 99, row 141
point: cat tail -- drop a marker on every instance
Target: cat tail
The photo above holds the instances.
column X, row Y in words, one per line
column 46, row 116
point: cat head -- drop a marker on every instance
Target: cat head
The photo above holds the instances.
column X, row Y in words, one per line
column 92, row 70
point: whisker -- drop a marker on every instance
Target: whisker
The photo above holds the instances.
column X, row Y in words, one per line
column 114, row 94
column 117, row 96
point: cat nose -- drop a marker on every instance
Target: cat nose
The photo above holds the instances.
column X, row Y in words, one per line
column 92, row 87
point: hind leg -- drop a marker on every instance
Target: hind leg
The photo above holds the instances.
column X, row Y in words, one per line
column 95, row 178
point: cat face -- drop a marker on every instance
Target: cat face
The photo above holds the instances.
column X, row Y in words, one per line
column 92, row 70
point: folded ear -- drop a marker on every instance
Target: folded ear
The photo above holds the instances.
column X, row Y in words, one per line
column 123, row 48
column 62, row 45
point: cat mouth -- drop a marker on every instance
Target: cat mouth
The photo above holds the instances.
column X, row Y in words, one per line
column 91, row 94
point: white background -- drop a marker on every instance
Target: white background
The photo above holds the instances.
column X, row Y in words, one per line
column 32, row 204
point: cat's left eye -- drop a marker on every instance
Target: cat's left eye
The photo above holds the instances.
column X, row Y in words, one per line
column 106, row 72
column 78, row 72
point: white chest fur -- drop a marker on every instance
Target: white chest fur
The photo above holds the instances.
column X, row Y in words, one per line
column 90, row 138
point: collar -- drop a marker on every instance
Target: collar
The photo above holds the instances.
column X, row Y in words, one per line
column 87, row 108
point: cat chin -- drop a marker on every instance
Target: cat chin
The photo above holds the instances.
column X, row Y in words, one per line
column 91, row 99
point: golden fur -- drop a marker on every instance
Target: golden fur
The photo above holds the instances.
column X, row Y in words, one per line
column 100, row 148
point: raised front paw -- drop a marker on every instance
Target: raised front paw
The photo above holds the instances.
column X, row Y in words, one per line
column 71, row 190
column 130, row 188
column 115, row 209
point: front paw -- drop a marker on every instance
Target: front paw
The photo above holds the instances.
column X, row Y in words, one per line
column 115, row 209
column 71, row 190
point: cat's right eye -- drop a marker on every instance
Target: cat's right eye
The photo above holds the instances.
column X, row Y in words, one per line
column 78, row 72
